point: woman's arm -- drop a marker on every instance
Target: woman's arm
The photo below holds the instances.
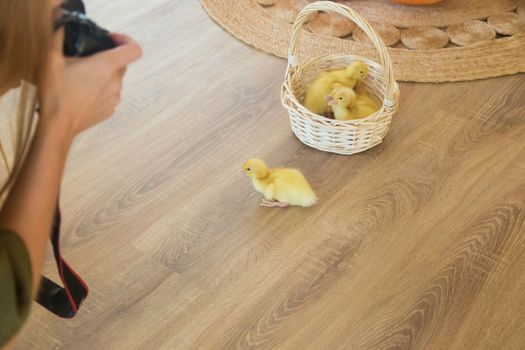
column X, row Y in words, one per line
column 30, row 206
column 74, row 94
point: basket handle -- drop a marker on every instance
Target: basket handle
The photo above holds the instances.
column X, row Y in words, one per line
column 384, row 56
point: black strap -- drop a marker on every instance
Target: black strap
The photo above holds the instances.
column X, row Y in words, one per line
column 63, row 302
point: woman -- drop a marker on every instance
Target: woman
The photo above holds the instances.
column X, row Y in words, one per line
column 72, row 95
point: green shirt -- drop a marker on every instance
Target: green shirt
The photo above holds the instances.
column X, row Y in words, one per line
column 15, row 284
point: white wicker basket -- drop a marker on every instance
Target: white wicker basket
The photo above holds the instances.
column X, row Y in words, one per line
column 342, row 137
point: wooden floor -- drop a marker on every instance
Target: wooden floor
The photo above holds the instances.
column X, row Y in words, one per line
column 418, row 243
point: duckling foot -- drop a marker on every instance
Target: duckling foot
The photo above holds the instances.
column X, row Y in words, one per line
column 272, row 204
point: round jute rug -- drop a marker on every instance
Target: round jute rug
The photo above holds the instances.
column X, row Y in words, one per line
column 451, row 41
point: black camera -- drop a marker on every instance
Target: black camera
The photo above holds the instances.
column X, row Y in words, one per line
column 82, row 36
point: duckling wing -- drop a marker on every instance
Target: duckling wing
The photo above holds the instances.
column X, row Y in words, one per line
column 292, row 187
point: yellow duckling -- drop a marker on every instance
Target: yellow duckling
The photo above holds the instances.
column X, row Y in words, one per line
column 340, row 100
column 280, row 186
column 326, row 81
column 363, row 98
column 353, row 74
column 365, row 105
column 347, row 105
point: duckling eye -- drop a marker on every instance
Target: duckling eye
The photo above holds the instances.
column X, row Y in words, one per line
column 361, row 72
column 248, row 169
column 340, row 98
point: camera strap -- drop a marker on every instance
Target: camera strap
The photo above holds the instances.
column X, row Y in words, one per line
column 62, row 301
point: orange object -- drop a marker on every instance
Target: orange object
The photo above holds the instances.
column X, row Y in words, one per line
column 417, row 2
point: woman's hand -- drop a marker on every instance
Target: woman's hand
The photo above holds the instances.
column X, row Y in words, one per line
column 77, row 93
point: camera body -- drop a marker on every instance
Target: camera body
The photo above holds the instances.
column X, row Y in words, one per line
column 82, row 36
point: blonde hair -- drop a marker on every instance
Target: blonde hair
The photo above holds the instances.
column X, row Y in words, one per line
column 25, row 36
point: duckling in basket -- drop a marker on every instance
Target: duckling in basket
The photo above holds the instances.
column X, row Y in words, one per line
column 347, row 105
column 281, row 187
column 325, row 82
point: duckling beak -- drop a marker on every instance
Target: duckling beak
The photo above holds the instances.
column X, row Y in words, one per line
column 328, row 98
column 332, row 102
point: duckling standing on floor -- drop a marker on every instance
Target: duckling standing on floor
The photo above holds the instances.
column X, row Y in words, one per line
column 347, row 105
column 281, row 187
column 326, row 81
